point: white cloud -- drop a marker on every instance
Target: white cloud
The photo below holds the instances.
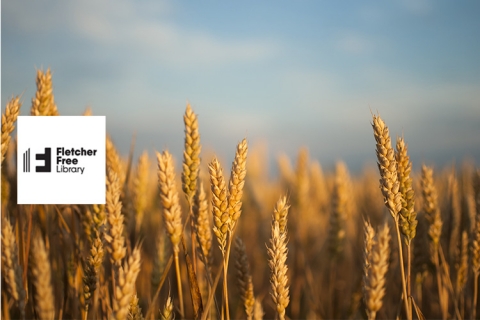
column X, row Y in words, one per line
column 166, row 42
column 136, row 29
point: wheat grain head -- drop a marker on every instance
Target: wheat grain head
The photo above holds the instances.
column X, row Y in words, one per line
column 221, row 218
column 8, row 123
column 125, row 287
column 244, row 278
column 44, row 103
column 408, row 216
column 387, row 165
column 12, row 272
column 236, row 183
column 172, row 213
column 42, row 279
column 191, row 154
column 115, row 220
column 277, row 262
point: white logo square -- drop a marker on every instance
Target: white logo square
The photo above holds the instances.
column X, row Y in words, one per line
column 61, row 160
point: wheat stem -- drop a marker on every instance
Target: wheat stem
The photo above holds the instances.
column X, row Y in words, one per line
column 390, row 187
column 179, row 284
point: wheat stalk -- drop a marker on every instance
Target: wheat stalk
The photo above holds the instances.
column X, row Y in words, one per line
column 8, row 123
column 377, row 254
column 407, row 213
column 302, row 182
column 280, row 213
column 476, row 242
column 432, row 215
column 369, row 242
column 115, row 218
column 202, row 224
column 159, row 260
column 114, row 162
column 140, row 190
column 191, row 154
column 221, row 218
column 44, row 103
column 12, row 272
column 387, row 166
column 172, row 214
column 244, row 278
column 390, row 187
column 236, row 183
column 42, row 280
column 92, row 268
column 462, row 268
column 408, row 216
column 278, row 268
column 169, row 197
column 455, row 213
column 341, row 198
column 430, row 208
column 125, row 288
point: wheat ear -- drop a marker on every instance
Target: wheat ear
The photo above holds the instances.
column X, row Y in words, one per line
column 236, row 183
column 202, row 224
column 462, row 268
column 125, row 288
column 141, row 189
column 8, row 123
column 280, row 213
column 277, row 262
column 377, row 261
column 387, row 165
column 42, row 280
column 12, row 272
column 407, row 213
column 234, row 205
column 369, row 242
column 44, row 103
column 169, row 197
column 258, row 310
column 172, row 213
column 115, row 218
column 159, row 261
column 191, row 154
column 92, row 270
column 221, row 218
column 476, row 242
column 167, row 313
column 432, row 214
column 244, row 278
column 408, row 216
column 340, row 202
column 430, row 208
column 134, row 310
column 114, row 162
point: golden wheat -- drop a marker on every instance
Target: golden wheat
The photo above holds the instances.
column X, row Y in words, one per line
column 8, row 123
column 53, row 262
column 12, row 273
column 42, row 279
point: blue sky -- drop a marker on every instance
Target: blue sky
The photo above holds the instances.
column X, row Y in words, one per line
column 288, row 73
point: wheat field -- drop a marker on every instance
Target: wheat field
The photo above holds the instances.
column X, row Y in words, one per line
column 201, row 239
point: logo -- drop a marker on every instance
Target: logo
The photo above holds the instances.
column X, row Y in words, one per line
column 26, row 161
column 63, row 160
column 46, row 157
